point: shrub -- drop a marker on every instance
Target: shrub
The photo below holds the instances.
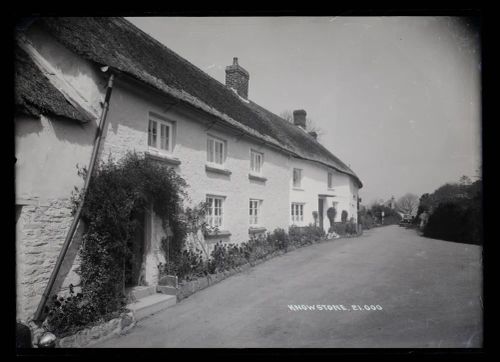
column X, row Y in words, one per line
column 340, row 228
column 455, row 212
column 315, row 217
column 69, row 314
column 343, row 216
column 188, row 264
column 454, row 221
column 351, row 227
column 366, row 220
column 331, row 213
column 118, row 194
column 279, row 239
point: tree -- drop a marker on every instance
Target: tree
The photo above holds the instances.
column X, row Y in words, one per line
column 310, row 126
column 455, row 211
column 390, row 215
column 407, row 204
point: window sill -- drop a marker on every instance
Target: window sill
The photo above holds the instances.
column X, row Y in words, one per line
column 163, row 158
column 220, row 233
column 255, row 177
column 256, row 230
column 297, row 189
column 222, row 171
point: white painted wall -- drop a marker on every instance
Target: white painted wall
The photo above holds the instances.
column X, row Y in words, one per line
column 127, row 131
column 47, row 152
column 315, row 183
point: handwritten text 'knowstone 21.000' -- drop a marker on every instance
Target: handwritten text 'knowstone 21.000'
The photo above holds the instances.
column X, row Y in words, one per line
column 334, row 307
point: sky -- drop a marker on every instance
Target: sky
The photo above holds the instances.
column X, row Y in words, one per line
column 398, row 99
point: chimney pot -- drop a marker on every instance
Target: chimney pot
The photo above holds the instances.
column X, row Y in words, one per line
column 237, row 78
column 299, row 118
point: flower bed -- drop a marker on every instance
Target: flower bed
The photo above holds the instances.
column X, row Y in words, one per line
column 229, row 259
column 98, row 333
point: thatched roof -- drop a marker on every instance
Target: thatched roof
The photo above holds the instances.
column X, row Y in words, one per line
column 119, row 44
column 35, row 95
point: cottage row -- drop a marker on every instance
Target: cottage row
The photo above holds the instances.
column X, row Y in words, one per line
column 256, row 171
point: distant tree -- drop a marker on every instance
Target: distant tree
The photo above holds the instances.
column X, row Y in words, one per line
column 310, row 126
column 390, row 215
column 407, row 204
column 465, row 180
column 365, row 217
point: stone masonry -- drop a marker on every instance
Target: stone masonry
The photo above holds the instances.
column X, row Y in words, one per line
column 41, row 230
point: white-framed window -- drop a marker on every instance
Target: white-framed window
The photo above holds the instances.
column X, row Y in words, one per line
column 216, row 150
column 215, row 211
column 160, row 134
column 256, row 161
column 330, row 180
column 297, row 177
column 254, row 211
column 297, row 212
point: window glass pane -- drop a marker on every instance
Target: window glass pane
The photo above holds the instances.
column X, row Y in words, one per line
column 150, row 128
column 152, row 133
column 164, row 137
column 210, row 150
column 221, row 153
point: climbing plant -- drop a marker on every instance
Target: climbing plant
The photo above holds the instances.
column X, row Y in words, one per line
column 119, row 192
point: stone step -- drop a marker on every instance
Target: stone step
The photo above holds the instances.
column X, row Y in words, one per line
column 151, row 304
column 141, row 291
column 165, row 289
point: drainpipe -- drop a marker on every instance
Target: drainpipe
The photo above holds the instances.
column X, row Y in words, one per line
column 69, row 237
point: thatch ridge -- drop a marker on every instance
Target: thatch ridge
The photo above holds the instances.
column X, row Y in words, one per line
column 121, row 45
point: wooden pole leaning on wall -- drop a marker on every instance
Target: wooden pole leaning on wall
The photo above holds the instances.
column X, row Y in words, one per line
column 40, row 313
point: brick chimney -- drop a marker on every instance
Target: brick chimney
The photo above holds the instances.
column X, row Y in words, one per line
column 299, row 118
column 237, row 78
column 314, row 135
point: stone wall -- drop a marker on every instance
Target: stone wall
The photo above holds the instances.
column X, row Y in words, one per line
column 40, row 233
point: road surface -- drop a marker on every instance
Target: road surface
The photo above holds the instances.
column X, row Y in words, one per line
column 429, row 293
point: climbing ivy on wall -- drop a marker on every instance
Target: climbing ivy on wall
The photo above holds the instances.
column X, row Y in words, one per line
column 118, row 192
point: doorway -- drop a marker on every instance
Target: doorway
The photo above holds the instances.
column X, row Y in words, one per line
column 320, row 212
column 134, row 261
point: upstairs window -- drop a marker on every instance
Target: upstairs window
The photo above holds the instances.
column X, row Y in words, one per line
column 160, row 134
column 216, row 150
column 214, row 216
column 297, row 212
column 330, row 180
column 297, row 177
column 256, row 161
column 254, row 211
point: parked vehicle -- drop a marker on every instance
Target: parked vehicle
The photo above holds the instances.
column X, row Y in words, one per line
column 407, row 220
